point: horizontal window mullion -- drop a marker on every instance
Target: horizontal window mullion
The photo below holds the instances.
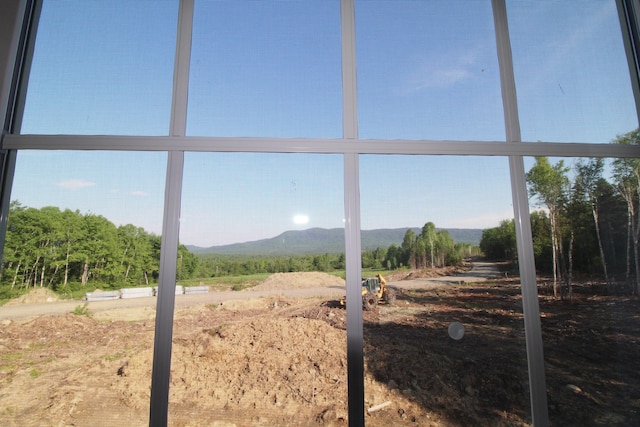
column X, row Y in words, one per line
column 312, row 145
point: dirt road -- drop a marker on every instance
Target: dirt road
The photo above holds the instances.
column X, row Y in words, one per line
column 480, row 271
column 62, row 307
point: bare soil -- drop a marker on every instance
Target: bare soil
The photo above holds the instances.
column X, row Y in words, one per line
column 281, row 361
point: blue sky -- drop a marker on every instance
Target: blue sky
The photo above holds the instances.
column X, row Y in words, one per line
column 264, row 68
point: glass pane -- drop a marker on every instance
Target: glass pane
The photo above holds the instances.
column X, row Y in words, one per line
column 259, row 336
column 80, row 263
column 588, row 283
column 571, row 71
column 97, row 70
column 428, row 70
column 444, row 336
column 266, row 68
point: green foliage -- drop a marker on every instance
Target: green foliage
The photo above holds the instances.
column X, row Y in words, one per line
column 585, row 224
column 82, row 310
column 6, row 294
column 58, row 249
column 431, row 248
column 224, row 268
column 500, row 242
column 214, row 265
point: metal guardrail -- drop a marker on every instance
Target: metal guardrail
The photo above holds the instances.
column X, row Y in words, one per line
column 127, row 293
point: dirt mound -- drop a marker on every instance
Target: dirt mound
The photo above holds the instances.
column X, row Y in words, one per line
column 36, row 296
column 286, row 366
column 280, row 361
column 280, row 281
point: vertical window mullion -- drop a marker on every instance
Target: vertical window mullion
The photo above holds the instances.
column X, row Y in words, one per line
column 160, row 377
column 355, row 342
column 524, row 239
column 14, row 89
column 628, row 11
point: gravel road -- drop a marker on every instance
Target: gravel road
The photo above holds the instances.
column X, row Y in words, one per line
column 480, row 271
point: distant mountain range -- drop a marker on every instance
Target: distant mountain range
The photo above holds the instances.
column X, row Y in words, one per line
column 322, row 240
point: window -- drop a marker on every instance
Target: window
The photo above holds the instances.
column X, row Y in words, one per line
column 571, row 72
column 260, row 120
column 419, row 77
column 82, row 256
column 274, row 232
column 109, row 74
column 265, row 69
column 450, row 322
column 580, row 227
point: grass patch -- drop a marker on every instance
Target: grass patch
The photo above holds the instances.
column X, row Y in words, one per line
column 9, row 362
column 113, row 357
column 82, row 310
column 35, row 373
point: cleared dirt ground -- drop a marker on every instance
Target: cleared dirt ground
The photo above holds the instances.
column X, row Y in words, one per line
column 281, row 361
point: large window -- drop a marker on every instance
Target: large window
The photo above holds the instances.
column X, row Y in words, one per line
column 420, row 77
column 249, row 163
column 265, row 69
column 97, row 71
column 448, row 321
column 571, row 71
column 269, row 345
column 80, row 264
column 581, row 223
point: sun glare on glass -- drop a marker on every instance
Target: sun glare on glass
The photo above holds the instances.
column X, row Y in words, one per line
column 300, row 219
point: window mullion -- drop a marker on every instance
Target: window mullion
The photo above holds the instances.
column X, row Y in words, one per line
column 524, row 239
column 628, row 14
column 355, row 342
column 160, row 378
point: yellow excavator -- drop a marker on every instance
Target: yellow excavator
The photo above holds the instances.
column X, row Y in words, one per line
column 374, row 290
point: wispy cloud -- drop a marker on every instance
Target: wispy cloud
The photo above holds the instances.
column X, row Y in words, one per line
column 75, row 184
column 437, row 77
column 441, row 72
column 139, row 193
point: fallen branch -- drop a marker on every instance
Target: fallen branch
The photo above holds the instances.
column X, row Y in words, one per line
column 375, row 408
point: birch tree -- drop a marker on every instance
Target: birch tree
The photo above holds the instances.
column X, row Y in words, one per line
column 626, row 174
column 549, row 184
column 588, row 183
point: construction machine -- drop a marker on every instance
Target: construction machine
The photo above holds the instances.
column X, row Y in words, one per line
column 375, row 290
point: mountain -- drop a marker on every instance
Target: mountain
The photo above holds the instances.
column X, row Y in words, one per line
column 322, row 240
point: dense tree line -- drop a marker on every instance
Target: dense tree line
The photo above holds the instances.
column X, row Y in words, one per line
column 51, row 248
column 67, row 250
column 431, row 248
column 213, row 265
column 589, row 222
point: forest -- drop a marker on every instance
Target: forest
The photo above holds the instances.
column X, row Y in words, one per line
column 67, row 250
column 587, row 222
column 429, row 248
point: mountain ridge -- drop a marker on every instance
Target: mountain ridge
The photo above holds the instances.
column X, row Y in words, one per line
column 327, row 240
